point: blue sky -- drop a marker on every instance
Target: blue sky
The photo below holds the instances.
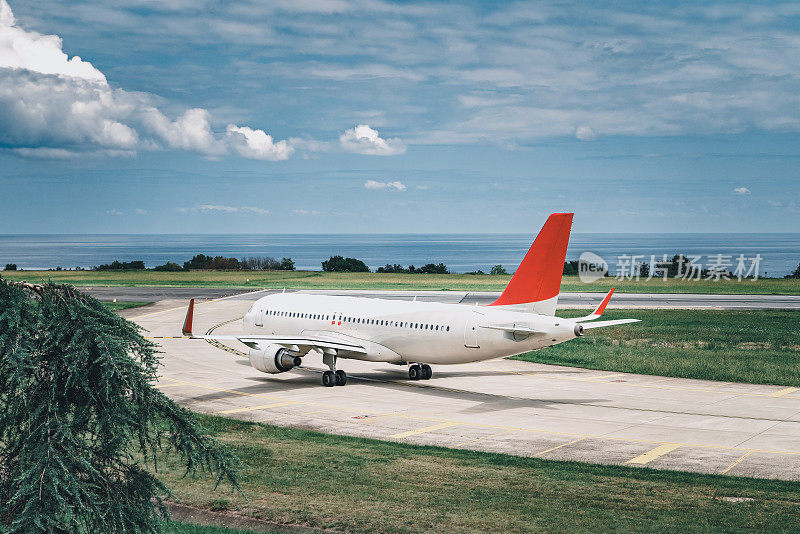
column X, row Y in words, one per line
column 366, row 116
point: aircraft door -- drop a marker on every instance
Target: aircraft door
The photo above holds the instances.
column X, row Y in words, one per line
column 474, row 321
column 259, row 318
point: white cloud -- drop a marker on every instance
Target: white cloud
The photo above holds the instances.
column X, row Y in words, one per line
column 20, row 49
column 221, row 208
column 373, row 184
column 585, row 133
column 190, row 131
column 364, row 140
column 525, row 71
column 216, row 207
column 140, row 211
column 54, row 106
column 257, row 144
column 741, row 191
column 305, row 212
column 251, row 209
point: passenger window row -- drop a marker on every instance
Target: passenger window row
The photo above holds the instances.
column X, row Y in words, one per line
column 358, row 320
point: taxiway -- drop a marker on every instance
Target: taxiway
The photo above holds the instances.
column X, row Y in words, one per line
column 503, row 406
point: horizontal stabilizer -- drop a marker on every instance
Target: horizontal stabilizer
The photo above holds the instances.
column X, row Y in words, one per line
column 601, row 324
column 522, row 330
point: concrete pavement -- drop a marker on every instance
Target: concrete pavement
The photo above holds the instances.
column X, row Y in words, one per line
column 500, row 406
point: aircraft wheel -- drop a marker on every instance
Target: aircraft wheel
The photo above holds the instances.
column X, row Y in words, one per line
column 328, row 379
column 414, row 372
column 427, row 373
column 341, row 378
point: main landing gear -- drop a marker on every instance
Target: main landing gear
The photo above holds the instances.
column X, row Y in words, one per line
column 420, row 372
column 333, row 377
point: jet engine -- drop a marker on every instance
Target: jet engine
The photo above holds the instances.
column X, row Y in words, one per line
column 273, row 359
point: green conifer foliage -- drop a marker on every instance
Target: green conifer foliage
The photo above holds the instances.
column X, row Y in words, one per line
column 81, row 426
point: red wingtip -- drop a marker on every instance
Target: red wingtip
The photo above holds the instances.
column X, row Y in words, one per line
column 539, row 275
column 602, row 307
column 187, row 324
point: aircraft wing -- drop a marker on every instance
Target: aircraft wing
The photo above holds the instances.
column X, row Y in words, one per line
column 313, row 340
column 601, row 324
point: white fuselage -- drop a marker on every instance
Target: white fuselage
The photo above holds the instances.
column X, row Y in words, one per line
column 407, row 331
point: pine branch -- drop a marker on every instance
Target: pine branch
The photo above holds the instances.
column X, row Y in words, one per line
column 81, row 425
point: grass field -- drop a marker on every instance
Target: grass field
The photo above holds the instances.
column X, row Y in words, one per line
column 422, row 282
column 761, row 347
column 295, row 476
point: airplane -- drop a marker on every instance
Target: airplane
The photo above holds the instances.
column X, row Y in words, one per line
column 281, row 329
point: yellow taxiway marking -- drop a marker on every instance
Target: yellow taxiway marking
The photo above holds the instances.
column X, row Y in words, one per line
column 261, row 407
column 346, row 408
column 559, row 446
column 604, row 377
column 654, row 454
column 784, row 392
column 482, row 438
column 137, row 317
column 734, row 464
column 423, row 430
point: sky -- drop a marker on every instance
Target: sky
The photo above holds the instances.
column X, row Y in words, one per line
column 340, row 116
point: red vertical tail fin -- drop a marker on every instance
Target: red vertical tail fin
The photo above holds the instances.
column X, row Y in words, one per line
column 538, row 278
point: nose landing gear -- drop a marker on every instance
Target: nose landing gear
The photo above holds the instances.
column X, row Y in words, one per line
column 420, row 372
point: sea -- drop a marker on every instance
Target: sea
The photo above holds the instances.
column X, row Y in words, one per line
column 779, row 253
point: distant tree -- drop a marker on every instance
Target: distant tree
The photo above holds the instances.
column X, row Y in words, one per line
column 11, row 266
column 117, row 265
column 260, row 263
column 498, row 269
column 430, row 268
column 287, row 264
column 795, row 274
column 476, row 272
column 389, row 268
column 221, row 263
column 81, row 424
column 570, row 268
column 169, row 266
column 200, row 261
column 340, row 264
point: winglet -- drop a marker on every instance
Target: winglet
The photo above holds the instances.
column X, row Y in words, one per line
column 187, row 324
column 602, row 307
column 597, row 311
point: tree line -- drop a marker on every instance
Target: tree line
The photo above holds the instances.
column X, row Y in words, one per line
column 678, row 265
column 209, row 263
